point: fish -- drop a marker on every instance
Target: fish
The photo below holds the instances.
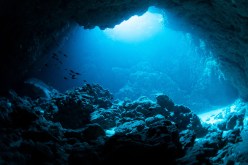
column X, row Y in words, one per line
column 65, row 78
column 71, row 71
column 65, row 55
column 46, row 65
column 73, row 76
column 54, row 55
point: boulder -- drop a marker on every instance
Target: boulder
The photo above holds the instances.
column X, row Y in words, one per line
column 130, row 127
column 107, row 118
column 157, row 144
column 165, row 102
column 187, row 139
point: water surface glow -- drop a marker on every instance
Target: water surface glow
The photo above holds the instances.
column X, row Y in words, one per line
column 137, row 28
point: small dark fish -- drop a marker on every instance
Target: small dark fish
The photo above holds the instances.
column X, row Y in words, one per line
column 65, row 55
column 77, row 73
column 85, row 81
column 55, row 55
column 71, row 71
column 65, row 78
column 60, row 62
column 46, row 65
column 73, row 76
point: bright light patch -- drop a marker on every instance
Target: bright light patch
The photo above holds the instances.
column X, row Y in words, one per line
column 137, row 28
column 233, row 108
column 219, row 115
column 210, row 117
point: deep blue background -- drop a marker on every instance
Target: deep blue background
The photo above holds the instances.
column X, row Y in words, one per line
column 148, row 61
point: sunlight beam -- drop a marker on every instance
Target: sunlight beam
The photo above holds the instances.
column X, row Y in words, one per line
column 137, row 28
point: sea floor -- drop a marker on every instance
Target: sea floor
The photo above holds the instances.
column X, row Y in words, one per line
column 86, row 125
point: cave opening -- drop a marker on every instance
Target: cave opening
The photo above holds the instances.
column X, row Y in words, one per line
column 166, row 82
column 140, row 57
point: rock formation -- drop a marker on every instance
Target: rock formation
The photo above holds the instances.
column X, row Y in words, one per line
column 86, row 126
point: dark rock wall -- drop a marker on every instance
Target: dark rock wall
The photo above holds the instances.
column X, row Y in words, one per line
column 29, row 29
column 223, row 25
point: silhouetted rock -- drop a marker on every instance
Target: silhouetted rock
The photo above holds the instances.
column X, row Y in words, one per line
column 74, row 108
column 92, row 132
column 232, row 136
column 74, row 128
column 107, row 118
column 5, row 109
column 35, row 88
column 165, row 102
column 186, row 119
column 150, row 120
column 22, row 113
column 159, row 143
column 187, row 139
column 130, row 127
column 235, row 120
column 83, row 155
column 101, row 97
column 37, row 152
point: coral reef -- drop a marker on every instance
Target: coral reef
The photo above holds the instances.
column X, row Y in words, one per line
column 85, row 125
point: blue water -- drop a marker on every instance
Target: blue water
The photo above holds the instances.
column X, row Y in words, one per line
column 140, row 59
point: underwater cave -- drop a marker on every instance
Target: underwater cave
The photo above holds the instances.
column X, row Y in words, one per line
column 117, row 82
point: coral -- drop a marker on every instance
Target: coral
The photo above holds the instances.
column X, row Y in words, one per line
column 75, row 127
